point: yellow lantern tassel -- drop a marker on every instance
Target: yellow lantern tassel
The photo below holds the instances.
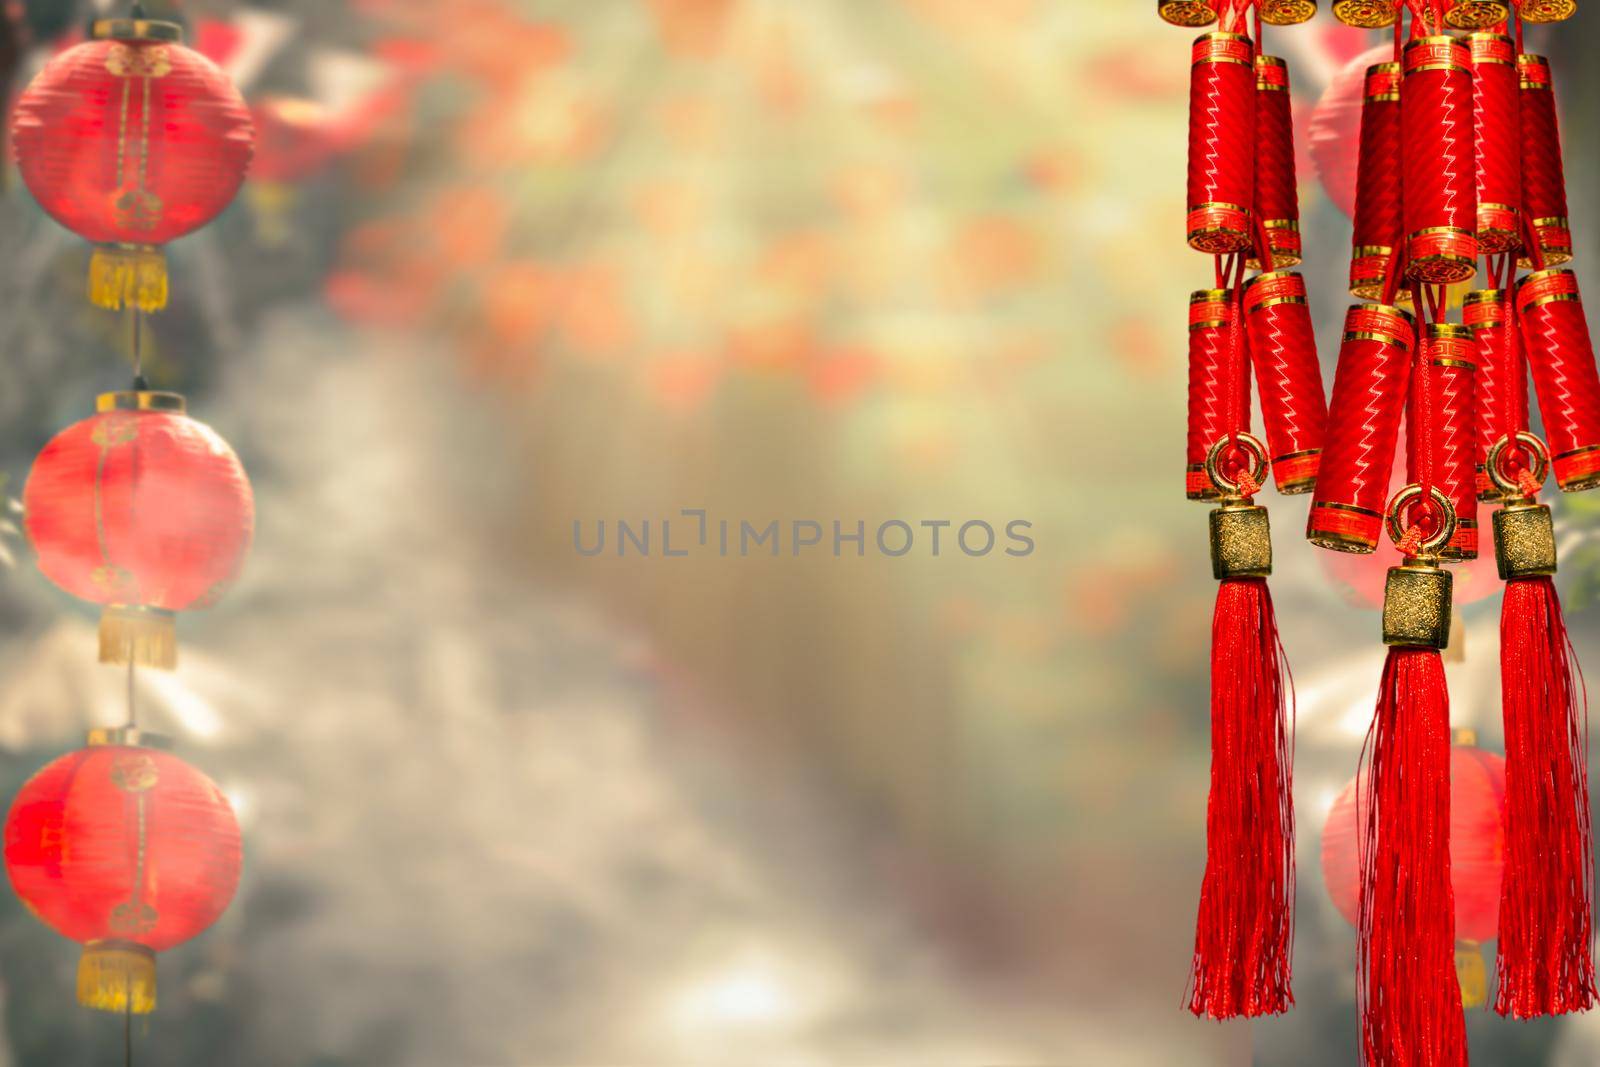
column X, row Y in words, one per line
column 146, row 636
column 128, row 276
column 1472, row 973
column 273, row 204
column 117, row 976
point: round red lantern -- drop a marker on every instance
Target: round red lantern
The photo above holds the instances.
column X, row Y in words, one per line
column 127, row 850
column 1477, row 856
column 1334, row 133
column 131, row 140
column 294, row 139
column 143, row 510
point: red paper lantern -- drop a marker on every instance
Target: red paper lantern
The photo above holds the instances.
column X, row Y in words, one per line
column 143, row 510
column 1336, row 127
column 127, row 850
column 131, row 140
column 293, row 141
column 1477, row 849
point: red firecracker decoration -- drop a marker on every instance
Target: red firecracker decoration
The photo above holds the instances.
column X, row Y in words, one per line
column 1363, row 427
column 1544, row 183
column 1376, row 237
column 1243, row 209
column 1559, row 352
column 1277, row 200
column 1211, row 337
column 127, row 850
column 1438, row 170
column 1222, row 129
column 1502, row 377
column 1495, row 117
column 1452, row 357
column 1283, row 350
column 1477, row 857
column 143, row 510
column 131, row 140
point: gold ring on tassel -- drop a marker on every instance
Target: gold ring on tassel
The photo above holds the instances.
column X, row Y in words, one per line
column 1531, row 445
column 1251, row 444
column 1447, row 518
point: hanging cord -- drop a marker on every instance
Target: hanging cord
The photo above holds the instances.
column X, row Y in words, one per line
column 136, row 347
column 1421, row 410
column 1238, row 395
column 133, row 707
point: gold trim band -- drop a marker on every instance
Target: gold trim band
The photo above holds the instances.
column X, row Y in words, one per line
column 138, row 400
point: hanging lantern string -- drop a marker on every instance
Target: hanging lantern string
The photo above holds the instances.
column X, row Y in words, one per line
column 133, row 708
column 136, row 328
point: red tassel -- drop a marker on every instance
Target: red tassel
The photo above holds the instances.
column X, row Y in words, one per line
column 1409, row 998
column 1244, row 937
column 1546, row 958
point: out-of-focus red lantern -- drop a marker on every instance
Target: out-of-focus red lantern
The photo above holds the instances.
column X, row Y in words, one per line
column 1477, row 856
column 293, row 142
column 293, row 139
column 127, row 850
column 1335, row 128
column 143, row 510
column 131, row 140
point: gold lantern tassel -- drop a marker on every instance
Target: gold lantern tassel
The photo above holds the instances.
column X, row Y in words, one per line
column 1472, row 973
column 128, row 276
column 117, row 976
column 273, row 204
column 133, row 634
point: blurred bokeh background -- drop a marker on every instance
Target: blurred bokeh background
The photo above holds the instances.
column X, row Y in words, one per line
column 510, row 265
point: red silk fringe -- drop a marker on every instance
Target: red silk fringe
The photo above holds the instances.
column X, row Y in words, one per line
column 1546, row 959
column 1244, row 937
column 1409, row 998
